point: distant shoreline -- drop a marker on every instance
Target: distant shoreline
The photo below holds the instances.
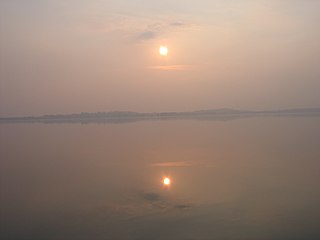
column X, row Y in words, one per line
column 126, row 116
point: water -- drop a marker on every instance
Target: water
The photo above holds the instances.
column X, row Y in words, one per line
column 254, row 178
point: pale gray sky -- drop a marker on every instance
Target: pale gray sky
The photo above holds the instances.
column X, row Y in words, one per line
column 60, row 56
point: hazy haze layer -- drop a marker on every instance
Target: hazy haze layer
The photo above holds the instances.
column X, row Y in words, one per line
column 73, row 56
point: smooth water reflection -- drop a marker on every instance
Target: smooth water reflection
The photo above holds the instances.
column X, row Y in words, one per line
column 243, row 179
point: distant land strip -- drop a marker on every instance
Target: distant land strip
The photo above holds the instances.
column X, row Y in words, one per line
column 222, row 114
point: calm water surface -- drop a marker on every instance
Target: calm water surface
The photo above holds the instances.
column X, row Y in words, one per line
column 244, row 179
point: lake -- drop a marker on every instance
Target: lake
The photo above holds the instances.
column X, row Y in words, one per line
column 251, row 178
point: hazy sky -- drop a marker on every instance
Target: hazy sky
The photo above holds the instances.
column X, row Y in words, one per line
column 62, row 56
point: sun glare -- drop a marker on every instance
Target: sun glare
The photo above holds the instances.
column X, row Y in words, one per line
column 163, row 50
column 166, row 181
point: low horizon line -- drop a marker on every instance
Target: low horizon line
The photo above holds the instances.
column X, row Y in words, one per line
column 235, row 111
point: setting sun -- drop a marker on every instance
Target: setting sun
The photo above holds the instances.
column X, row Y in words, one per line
column 163, row 50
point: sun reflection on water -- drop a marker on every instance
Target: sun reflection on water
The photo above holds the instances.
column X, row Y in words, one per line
column 166, row 181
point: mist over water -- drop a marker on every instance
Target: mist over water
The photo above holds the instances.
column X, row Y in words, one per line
column 254, row 178
column 159, row 120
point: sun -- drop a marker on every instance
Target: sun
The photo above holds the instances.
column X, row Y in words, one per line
column 163, row 50
column 166, row 181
